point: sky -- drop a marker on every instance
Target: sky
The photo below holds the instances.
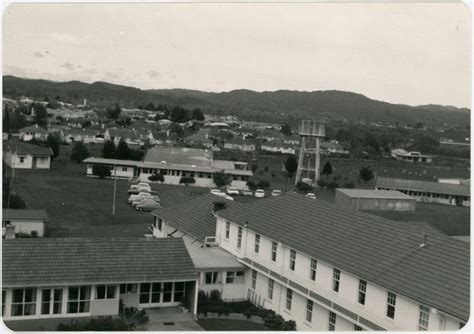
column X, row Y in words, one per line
column 396, row 52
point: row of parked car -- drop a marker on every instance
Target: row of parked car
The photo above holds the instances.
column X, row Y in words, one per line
column 143, row 198
column 231, row 191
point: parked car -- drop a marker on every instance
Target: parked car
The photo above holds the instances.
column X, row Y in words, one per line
column 311, row 195
column 148, row 206
column 139, row 196
column 259, row 193
column 216, row 191
column 276, row 192
column 232, row 191
column 141, row 200
column 247, row 193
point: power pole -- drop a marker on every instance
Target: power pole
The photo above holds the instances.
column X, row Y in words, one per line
column 115, row 189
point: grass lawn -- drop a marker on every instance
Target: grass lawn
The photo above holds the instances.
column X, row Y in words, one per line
column 81, row 206
column 230, row 325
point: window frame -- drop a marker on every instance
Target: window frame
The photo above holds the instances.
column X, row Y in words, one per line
column 257, row 243
column 85, row 301
column 391, row 304
column 254, row 279
column 239, row 237
column 313, row 269
column 107, row 288
column 126, row 288
column 332, row 321
column 271, row 286
column 292, row 263
column 362, row 292
column 336, row 279
column 309, row 310
column 424, row 318
column 227, row 230
column 274, row 251
column 24, row 303
column 213, row 275
column 289, row 299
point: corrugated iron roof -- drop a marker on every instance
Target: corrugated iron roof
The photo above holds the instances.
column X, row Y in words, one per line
column 376, row 249
column 45, row 261
column 423, row 186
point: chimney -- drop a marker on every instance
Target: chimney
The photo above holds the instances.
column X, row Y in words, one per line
column 10, row 232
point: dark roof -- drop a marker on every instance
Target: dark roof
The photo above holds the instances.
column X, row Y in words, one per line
column 376, row 249
column 30, row 149
column 21, row 214
column 423, row 186
column 194, row 217
column 33, row 129
column 44, row 261
column 370, row 193
column 122, row 133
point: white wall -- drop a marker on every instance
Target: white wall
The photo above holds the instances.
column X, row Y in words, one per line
column 27, row 227
column 406, row 311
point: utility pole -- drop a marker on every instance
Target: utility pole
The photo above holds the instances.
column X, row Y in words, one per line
column 115, row 189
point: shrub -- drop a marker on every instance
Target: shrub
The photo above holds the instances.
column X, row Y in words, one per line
column 322, row 183
column 157, row 177
column 252, row 185
column 79, row 152
column 96, row 324
column 214, row 295
column 187, row 180
column 263, row 184
column 289, row 325
column 101, row 171
column 349, row 185
column 274, row 321
column 303, row 187
column 332, row 185
column 201, row 297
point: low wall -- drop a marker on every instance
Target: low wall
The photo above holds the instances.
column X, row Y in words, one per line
column 231, row 316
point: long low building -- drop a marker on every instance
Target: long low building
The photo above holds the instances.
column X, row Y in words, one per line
column 425, row 191
column 76, row 277
column 174, row 163
column 366, row 199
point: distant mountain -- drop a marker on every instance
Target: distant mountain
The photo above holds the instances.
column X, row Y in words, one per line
column 277, row 105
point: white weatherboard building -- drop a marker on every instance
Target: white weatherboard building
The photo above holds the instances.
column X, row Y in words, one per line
column 26, row 221
column 27, row 156
column 76, row 277
column 174, row 163
column 330, row 268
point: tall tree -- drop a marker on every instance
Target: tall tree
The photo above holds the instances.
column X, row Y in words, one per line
column 291, row 165
column 53, row 142
column 327, row 169
column 108, row 150
column 79, row 152
column 17, row 120
column 6, row 120
column 286, row 130
column 366, row 174
column 41, row 115
column 197, row 115
column 220, row 179
column 123, row 151
column 114, row 112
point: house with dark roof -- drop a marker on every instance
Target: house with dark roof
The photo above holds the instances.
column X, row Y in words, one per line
column 27, row 156
column 75, row 277
column 34, row 131
column 426, row 191
column 331, row 268
column 26, row 221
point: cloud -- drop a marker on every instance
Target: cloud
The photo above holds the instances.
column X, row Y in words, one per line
column 68, row 66
column 153, row 74
column 38, row 54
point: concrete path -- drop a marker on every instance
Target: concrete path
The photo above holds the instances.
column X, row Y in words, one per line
column 170, row 319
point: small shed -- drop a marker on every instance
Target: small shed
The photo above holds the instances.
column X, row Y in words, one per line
column 366, row 199
column 26, row 221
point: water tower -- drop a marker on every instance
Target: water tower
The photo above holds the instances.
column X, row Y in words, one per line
column 311, row 133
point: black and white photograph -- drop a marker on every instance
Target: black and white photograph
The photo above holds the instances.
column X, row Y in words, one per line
column 236, row 166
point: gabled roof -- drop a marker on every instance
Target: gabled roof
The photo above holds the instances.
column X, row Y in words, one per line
column 423, row 186
column 33, row 129
column 45, row 261
column 24, row 214
column 21, row 148
column 376, row 249
column 369, row 193
column 194, row 217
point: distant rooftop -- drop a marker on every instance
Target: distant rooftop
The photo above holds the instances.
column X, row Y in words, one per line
column 29, row 149
column 423, row 186
column 22, row 214
column 367, row 193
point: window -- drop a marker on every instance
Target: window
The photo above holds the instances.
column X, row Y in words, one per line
column 236, row 277
column 128, row 288
column 257, row 243
column 150, row 293
column 51, row 301
column 159, row 224
column 336, row 277
column 124, row 169
column 271, row 284
column 22, row 160
column 239, row 238
column 4, row 296
column 362, row 291
column 357, row 328
column 391, row 300
column 79, row 299
column 312, row 272
column 289, row 298
column 105, row 292
column 309, row 310
column 24, row 302
column 424, row 318
column 274, row 251
column 167, row 292
column 254, row 279
column 332, row 321
column 227, row 230
column 211, row 277
column 178, row 291
column 292, row 259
